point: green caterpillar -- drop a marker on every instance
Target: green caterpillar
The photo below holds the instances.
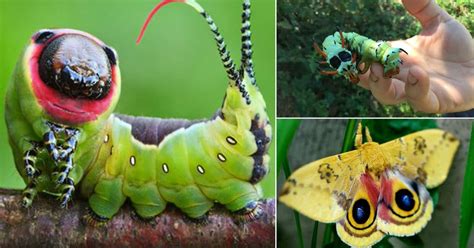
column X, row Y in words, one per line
column 344, row 52
column 64, row 136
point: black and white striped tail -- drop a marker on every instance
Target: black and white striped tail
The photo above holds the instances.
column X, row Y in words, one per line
column 247, row 63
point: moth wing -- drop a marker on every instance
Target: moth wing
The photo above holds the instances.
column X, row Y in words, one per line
column 322, row 189
column 359, row 228
column 405, row 205
column 425, row 155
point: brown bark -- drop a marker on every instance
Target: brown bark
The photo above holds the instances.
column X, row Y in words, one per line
column 47, row 225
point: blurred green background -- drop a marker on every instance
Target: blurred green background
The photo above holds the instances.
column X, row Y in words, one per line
column 174, row 72
column 302, row 90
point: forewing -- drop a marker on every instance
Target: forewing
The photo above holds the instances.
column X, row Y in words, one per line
column 425, row 156
column 322, row 190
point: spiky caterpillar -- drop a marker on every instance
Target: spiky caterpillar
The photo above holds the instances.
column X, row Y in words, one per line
column 64, row 136
column 344, row 52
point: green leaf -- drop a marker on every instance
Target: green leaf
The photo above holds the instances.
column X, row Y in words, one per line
column 286, row 129
column 467, row 199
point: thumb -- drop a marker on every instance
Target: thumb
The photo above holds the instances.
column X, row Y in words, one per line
column 424, row 11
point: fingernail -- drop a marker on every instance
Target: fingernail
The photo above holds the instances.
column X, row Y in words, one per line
column 411, row 79
column 373, row 78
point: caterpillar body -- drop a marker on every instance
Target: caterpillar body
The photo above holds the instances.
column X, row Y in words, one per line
column 345, row 52
column 64, row 136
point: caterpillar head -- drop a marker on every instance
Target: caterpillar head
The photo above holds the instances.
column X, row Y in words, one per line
column 73, row 76
column 341, row 60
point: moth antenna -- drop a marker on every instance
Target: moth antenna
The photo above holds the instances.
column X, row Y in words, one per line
column 227, row 61
column 358, row 139
column 401, row 49
column 247, row 63
column 367, row 134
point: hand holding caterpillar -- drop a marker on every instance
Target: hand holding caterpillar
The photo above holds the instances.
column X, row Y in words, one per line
column 437, row 75
column 346, row 52
column 65, row 138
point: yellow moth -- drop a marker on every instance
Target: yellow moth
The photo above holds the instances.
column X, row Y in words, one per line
column 375, row 190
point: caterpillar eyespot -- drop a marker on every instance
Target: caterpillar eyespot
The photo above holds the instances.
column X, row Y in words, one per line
column 345, row 53
column 69, row 140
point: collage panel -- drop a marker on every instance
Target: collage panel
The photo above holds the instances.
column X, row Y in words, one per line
column 137, row 123
column 375, row 182
column 375, row 58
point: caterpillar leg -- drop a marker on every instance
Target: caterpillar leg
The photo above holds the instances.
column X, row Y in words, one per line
column 146, row 200
column 107, row 198
column 189, row 199
column 29, row 159
column 66, row 192
column 318, row 50
column 50, row 141
column 66, row 155
column 29, row 194
column 392, row 72
column 329, row 72
column 252, row 211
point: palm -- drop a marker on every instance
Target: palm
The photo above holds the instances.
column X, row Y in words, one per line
column 445, row 51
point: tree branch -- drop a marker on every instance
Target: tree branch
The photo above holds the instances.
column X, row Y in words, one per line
column 46, row 224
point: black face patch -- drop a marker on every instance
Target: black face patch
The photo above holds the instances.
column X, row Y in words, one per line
column 335, row 62
column 111, row 55
column 43, row 37
column 345, row 56
column 76, row 66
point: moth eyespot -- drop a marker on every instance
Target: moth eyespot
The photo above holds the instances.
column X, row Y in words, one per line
column 132, row 160
column 221, row 157
column 200, row 169
column 361, row 211
column 335, row 62
column 404, row 199
column 231, row 140
column 165, row 168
